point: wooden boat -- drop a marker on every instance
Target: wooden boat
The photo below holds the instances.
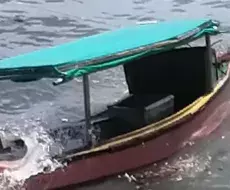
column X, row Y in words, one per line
column 177, row 93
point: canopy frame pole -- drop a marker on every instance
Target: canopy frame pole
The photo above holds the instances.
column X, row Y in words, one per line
column 86, row 91
column 1, row 145
column 208, row 64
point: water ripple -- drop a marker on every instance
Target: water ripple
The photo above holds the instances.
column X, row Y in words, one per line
column 19, row 100
column 183, row 2
column 178, row 10
column 28, row 2
column 223, row 5
column 212, row 2
column 141, row 1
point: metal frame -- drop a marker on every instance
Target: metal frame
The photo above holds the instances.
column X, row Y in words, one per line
column 86, row 91
column 208, row 63
column 86, row 87
column 1, row 145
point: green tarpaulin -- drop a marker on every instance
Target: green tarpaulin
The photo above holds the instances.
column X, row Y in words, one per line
column 105, row 50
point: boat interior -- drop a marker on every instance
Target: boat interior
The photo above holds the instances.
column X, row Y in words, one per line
column 159, row 85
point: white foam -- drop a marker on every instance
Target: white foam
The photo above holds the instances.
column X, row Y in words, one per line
column 40, row 149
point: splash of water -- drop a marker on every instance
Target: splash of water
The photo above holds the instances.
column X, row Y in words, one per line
column 179, row 169
column 40, row 148
column 186, row 167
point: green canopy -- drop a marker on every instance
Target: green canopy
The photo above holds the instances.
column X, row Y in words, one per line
column 105, row 50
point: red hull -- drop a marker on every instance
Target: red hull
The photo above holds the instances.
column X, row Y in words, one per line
column 105, row 164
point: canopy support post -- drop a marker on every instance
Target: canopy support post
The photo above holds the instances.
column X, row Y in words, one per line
column 1, row 145
column 86, row 91
column 208, row 64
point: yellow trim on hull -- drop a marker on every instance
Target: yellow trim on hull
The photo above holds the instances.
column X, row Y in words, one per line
column 163, row 124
